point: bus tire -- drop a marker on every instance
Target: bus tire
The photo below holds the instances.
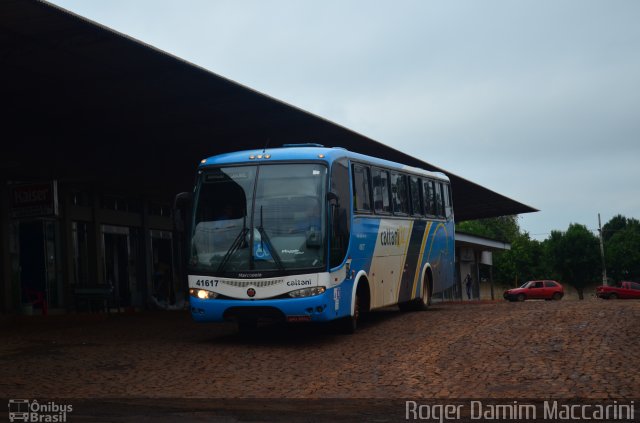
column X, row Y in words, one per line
column 425, row 301
column 420, row 303
column 348, row 325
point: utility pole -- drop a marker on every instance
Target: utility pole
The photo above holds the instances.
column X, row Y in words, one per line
column 604, row 268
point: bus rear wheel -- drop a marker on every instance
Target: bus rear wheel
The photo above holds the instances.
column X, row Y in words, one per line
column 419, row 304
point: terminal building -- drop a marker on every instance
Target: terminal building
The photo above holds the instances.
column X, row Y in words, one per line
column 99, row 134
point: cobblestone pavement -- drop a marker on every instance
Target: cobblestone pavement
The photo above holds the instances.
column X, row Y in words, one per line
column 536, row 349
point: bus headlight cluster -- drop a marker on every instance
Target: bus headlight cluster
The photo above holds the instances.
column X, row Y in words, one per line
column 307, row 292
column 202, row 294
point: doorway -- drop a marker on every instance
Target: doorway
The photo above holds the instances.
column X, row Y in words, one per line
column 165, row 292
column 116, row 262
column 38, row 252
column 33, row 265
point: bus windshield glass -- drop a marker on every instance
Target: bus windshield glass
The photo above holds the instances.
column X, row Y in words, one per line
column 264, row 218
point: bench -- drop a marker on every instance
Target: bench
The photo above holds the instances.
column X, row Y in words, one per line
column 94, row 298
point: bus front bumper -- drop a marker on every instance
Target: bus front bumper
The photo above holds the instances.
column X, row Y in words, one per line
column 317, row 308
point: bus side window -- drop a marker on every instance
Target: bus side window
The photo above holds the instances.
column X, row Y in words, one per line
column 448, row 206
column 381, row 200
column 399, row 194
column 429, row 198
column 439, row 200
column 416, row 196
column 339, row 212
column 361, row 190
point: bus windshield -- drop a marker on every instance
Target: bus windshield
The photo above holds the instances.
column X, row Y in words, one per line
column 261, row 217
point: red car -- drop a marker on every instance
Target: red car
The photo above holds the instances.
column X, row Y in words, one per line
column 623, row 290
column 535, row 290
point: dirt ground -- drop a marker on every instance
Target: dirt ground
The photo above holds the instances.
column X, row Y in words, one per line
column 532, row 350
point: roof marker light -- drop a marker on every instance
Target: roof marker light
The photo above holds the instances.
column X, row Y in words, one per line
column 321, row 156
column 251, row 157
column 259, row 156
column 203, row 161
column 267, row 156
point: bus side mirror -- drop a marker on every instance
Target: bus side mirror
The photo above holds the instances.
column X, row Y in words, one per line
column 181, row 202
column 331, row 196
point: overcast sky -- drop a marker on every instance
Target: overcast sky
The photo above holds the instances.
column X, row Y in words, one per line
column 537, row 100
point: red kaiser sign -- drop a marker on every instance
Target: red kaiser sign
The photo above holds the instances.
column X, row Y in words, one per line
column 34, row 200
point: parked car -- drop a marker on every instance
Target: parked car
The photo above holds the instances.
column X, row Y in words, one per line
column 624, row 290
column 535, row 290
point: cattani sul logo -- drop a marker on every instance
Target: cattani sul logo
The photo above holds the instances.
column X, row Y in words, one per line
column 24, row 410
column 395, row 236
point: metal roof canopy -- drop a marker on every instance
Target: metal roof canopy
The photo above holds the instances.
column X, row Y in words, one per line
column 475, row 241
column 86, row 103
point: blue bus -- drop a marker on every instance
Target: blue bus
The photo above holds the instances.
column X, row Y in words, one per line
column 305, row 233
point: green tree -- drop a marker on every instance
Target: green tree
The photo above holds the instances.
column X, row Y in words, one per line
column 622, row 254
column 616, row 224
column 574, row 256
column 503, row 228
column 524, row 261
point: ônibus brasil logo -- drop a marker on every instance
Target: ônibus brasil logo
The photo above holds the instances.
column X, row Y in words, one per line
column 24, row 410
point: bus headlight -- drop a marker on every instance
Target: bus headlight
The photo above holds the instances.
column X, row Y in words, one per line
column 202, row 294
column 307, row 292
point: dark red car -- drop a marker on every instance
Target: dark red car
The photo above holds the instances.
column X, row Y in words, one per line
column 624, row 290
column 535, row 290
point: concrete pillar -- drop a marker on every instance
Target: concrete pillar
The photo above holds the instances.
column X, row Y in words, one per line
column 6, row 292
column 94, row 235
column 477, row 269
column 68, row 262
column 147, row 260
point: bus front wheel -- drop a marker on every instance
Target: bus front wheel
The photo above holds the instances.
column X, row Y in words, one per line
column 349, row 324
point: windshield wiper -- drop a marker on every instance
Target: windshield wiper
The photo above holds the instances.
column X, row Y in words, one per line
column 237, row 243
column 265, row 238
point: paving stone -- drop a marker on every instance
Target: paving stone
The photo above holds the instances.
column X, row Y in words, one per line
column 574, row 349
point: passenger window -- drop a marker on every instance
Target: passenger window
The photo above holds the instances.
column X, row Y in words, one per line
column 429, row 198
column 416, row 197
column 340, row 209
column 361, row 191
column 439, row 200
column 381, row 201
column 399, row 194
column 538, row 285
column 549, row 284
column 448, row 208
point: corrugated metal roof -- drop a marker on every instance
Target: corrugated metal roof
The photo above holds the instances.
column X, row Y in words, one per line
column 87, row 103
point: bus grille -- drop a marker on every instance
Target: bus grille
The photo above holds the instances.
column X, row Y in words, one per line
column 257, row 284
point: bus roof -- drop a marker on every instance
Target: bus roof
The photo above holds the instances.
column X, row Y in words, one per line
column 309, row 152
